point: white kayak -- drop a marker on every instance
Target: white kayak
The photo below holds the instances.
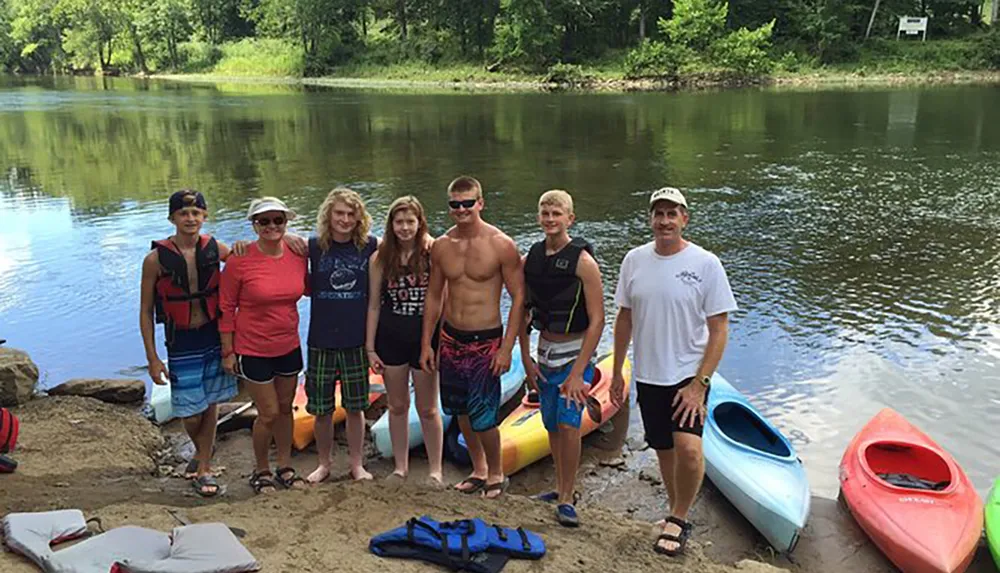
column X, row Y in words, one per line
column 510, row 383
column 755, row 466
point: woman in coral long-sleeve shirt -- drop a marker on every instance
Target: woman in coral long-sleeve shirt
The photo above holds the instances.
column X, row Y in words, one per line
column 258, row 295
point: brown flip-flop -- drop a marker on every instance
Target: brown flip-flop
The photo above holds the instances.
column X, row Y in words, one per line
column 475, row 484
column 499, row 486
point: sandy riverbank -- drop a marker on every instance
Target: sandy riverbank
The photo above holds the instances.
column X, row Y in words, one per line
column 76, row 452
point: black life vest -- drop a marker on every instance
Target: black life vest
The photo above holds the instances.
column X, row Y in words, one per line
column 555, row 293
column 173, row 294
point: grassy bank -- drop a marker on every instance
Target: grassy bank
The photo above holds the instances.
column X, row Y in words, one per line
column 878, row 62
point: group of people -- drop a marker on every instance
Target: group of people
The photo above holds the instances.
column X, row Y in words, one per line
column 412, row 306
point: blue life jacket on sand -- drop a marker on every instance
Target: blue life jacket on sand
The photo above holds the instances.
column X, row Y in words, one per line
column 464, row 545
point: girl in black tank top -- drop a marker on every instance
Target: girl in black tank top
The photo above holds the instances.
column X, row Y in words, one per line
column 395, row 317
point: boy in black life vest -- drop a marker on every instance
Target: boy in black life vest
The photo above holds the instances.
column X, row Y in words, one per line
column 180, row 280
column 565, row 303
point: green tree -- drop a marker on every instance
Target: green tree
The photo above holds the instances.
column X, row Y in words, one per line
column 166, row 23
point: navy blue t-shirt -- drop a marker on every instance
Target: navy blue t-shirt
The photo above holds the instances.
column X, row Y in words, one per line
column 339, row 302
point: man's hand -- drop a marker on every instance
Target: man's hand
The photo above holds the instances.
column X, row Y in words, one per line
column 158, row 373
column 297, row 244
column 574, row 389
column 531, row 371
column 375, row 362
column 240, row 248
column 427, row 359
column 689, row 405
column 501, row 361
column 617, row 389
column 229, row 364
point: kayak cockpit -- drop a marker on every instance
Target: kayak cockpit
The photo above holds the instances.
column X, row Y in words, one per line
column 742, row 426
column 908, row 466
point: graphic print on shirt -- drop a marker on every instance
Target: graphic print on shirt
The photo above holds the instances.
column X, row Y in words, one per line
column 344, row 277
column 689, row 278
column 406, row 294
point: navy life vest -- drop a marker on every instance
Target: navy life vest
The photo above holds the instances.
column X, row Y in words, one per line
column 173, row 294
column 555, row 293
column 9, row 427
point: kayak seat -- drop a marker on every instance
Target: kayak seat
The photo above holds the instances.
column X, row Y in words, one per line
column 743, row 426
column 910, row 466
column 914, row 482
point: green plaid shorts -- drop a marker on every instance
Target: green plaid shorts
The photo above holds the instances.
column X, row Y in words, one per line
column 327, row 366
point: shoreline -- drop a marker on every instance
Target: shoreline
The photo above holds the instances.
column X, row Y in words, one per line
column 700, row 82
column 129, row 477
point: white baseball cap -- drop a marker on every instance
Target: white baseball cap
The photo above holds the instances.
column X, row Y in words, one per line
column 671, row 194
column 265, row 204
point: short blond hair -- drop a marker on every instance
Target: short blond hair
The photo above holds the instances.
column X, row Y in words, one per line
column 466, row 184
column 557, row 198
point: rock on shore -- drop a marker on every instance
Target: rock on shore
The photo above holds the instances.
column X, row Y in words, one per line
column 18, row 377
column 105, row 390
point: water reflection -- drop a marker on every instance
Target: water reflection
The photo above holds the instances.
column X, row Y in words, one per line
column 858, row 228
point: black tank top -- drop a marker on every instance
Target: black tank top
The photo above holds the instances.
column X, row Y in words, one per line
column 404, row 296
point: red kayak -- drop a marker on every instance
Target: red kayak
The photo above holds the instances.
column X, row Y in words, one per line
column 911, row 497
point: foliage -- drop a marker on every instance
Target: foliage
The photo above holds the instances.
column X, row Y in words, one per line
column 314, row 37
column 880, row 55
column 653, row 59
column 744, row 52
column 988, row 46
column 571, row 74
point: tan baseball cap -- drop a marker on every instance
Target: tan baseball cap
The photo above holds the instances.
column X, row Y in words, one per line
column 671, row 194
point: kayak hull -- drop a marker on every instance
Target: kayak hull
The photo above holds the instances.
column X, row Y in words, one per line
column 755, row 467
column 993, row 522
column 524, row 439
column 304, row 423
column 510, row 382
column 920, row 531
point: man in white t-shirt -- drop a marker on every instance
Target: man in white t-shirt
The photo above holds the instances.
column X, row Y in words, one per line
column 673, row 299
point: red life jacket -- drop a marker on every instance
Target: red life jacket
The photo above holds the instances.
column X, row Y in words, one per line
column 8, row 431
column 173, row 294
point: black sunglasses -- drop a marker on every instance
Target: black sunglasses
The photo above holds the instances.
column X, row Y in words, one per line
column 265, row 221
column 466, row 204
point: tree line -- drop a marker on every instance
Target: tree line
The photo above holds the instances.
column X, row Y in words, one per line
column 56, row 36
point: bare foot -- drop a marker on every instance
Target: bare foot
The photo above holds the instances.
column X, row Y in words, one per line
column 360, row 474
column 319, row 475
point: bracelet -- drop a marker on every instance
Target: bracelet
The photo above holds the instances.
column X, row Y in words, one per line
column 369, row 350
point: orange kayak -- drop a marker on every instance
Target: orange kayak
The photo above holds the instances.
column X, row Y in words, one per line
column 524, row 439
column 911, row 497
column 303, row 423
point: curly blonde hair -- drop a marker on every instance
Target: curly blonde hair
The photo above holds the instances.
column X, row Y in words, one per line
column 359, row 236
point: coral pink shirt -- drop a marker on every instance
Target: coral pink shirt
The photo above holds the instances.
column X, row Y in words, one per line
column 258, row 295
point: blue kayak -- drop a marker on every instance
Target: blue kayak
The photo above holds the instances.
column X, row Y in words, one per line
column 510, row 383
column 755, row 466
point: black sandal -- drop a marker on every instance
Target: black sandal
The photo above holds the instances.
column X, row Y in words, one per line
column 499, row 487
column 287, row 483
column 202, row 484
column 475, row 485
column 261, row 480
column 681, row 540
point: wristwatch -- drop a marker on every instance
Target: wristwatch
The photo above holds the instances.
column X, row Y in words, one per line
column 706, row 381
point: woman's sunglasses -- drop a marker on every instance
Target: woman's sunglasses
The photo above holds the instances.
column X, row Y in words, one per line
column 466, row 204
column 265, row 221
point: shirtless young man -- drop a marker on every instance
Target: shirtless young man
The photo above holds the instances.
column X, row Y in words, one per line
column 475, row 260
column 180, row 279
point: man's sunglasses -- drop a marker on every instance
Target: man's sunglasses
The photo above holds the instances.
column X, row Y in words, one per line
column 466, row 204
column 265, row 221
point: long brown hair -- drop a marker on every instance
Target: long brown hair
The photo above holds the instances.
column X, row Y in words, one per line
column 350, row 198
column 390, row 255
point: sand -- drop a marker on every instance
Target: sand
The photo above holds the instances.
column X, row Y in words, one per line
column 113, row 464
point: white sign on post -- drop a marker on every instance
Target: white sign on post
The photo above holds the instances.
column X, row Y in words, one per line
column 911, row 26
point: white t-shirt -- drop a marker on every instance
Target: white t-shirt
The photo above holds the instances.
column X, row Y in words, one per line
column 671, row 298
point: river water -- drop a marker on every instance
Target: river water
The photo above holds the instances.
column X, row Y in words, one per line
column 858, row 227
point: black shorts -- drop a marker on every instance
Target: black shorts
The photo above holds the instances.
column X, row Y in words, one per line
column 397, row 340
column 655, row 407
column 262, row 370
